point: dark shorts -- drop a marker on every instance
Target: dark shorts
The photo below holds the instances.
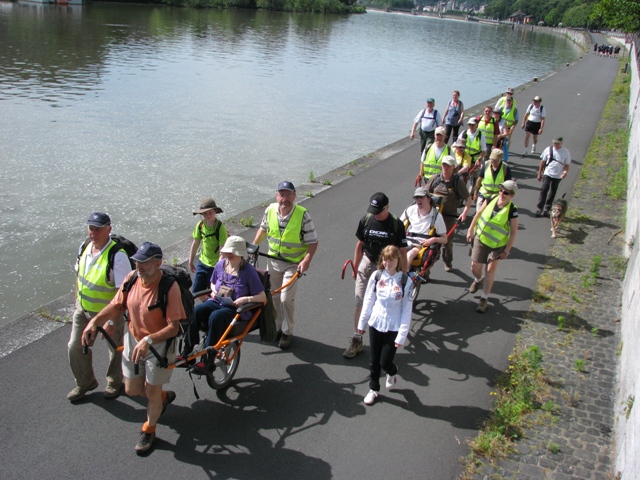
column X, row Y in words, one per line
column 480, row 253
column 532, row 127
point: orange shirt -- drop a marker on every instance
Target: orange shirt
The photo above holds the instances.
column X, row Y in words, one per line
column 142, row 321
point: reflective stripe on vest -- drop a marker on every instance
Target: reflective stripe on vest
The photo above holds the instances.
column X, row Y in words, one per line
column 509, row 117
column 94, row 293
column 287, row 245
column 474, row 147
column 431, row 164
column 487, row 129
column 494, row 230
column 490, row 184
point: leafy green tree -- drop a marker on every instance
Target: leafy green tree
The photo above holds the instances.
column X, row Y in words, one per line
column 578, row 16
column 618, row 14
column 553, row 18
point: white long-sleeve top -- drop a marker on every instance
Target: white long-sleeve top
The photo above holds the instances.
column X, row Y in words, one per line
column 385, row 308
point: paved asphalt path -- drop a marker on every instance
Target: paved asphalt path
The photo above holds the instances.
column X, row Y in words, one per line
column 299, row 413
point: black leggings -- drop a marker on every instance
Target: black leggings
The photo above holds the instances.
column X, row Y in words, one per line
column 383, row 350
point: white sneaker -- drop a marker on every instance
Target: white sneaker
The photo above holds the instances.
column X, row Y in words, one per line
column 371, row 397
column 533, row 148
column 524, row 154
column 391, row 381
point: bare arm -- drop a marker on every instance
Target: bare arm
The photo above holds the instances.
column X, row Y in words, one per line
column 260, row 234
column 513, row 225
column 192, row 254
column 357, row 257
column 303, row 266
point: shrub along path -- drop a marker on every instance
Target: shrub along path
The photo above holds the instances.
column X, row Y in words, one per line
column 573, row 322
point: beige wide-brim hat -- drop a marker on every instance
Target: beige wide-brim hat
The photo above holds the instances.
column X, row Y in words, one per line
column 235, row 245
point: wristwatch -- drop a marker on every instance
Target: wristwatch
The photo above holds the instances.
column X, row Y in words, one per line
column 148, row 340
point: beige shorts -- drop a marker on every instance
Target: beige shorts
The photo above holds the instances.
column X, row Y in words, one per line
column 365, row 269
column 153, row 373
column 480, row 253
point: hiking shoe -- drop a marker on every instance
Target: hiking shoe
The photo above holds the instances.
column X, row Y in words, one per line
column 391, row 381
column 448, row 267
column 171, row 396
column 355, row 347
column 144, row 442
column 538, row 213
column 546, row 214
column 371, row 397
column 278, row 336
column 524, row 154
column 79, row 392
column 285, row 341
column 533, row 149
column 473, row 288
column 112, row 392
column 482, row 305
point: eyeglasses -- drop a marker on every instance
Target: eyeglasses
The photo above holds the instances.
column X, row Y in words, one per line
column 505, row 192
column 419, row 197
column 286, row 194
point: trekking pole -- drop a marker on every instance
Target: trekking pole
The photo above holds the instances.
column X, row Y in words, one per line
column 344, row 267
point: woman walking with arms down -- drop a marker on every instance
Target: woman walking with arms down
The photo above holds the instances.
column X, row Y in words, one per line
column 387, row 310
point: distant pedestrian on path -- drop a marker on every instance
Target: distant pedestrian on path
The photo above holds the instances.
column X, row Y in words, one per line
column 428, row 119
column 432, row 157
column 533, row 123
column 502, row 101
column 453, row 116
column 102, row 267
column 387, row 310
column 492, row 174
column 493, row 232
column 376, row 230
column 554, row 166
column 210, row 233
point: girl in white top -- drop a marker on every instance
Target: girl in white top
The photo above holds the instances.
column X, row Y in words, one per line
column 387, row 311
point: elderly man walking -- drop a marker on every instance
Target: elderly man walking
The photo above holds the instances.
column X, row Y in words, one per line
column 147, row 327
column 554, row 166
column 293, row 242
column 429, row 119
column 102, row 266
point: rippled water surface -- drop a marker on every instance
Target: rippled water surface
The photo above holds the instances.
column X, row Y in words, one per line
column 140, row 111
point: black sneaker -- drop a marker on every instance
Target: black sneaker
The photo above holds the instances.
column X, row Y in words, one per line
column 278, row 336
column 285, row 341
column 538, row 213
column 145, row 442
column 546, row 214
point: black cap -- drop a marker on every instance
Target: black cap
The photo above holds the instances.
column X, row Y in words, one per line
column 146, row 252
column 287, row 185
column 377, row 203
column 99, row 219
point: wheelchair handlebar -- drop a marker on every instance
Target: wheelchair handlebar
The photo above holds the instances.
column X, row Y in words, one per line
column 344, row 267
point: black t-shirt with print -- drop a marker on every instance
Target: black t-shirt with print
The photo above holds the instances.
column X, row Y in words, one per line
column 378, row 234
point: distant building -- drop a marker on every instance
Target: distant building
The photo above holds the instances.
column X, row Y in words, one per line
column 518, row 17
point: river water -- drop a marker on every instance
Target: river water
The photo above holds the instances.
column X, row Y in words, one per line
column 140, row 111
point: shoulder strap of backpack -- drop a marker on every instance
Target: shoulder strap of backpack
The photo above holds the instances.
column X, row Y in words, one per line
column 166, row 282
column 128, row 285
column 216, row 232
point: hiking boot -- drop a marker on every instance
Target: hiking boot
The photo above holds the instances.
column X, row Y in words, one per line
column 371, row 397
column 171, row 396
column 473, row 288
column 355, row 347
column 538, row 213
column 144, row 442
column 285, row 341
column 79, row 392
column 112, row 392
column 391, row 381
column 482, row 305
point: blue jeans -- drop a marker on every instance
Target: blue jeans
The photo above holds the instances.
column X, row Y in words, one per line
column 212, row 318
column 202, row 277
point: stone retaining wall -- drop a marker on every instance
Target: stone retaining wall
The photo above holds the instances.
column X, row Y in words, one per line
column 627, row 428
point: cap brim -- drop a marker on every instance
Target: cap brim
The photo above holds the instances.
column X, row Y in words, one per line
column 201, row 211
column 143, row 259
column 375, row 210
column 96, row 224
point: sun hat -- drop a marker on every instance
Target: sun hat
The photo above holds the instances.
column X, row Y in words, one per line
column 207, row 204
column 235, row 245
column 510, row 185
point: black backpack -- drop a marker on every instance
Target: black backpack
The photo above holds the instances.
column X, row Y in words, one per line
column 403, row 280
column 122, row 243
column 170, row 274
column 216, row 232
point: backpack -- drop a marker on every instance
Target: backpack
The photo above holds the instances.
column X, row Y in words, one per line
column 267, row 320
column 403, row 281
column 170, row 274
column 434, row 118
column 216, row 232
column 122, row 243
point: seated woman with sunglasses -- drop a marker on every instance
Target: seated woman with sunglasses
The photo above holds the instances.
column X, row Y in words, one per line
column 234, row 282
column 495, row 227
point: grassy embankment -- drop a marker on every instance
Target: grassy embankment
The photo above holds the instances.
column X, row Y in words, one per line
column 525, row 387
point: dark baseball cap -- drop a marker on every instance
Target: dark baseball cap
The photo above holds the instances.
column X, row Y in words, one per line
column 377, row 203
column 146, row 252
column 99, row 219
column 287, row 185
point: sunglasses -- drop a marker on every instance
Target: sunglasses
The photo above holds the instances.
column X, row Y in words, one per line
column 505, row 192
